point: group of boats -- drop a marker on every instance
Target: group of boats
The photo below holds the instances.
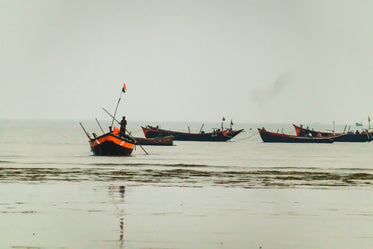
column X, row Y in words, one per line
column 307, row 135
column 119, row 142
column 114, row 143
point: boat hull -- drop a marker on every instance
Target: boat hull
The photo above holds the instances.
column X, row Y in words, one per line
column 271, row 137
column 161, row 141
column 218, row 136
column 340, row 137
column 366, row 137
column 111, row 145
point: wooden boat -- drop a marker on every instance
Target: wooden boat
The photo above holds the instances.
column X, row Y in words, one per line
column 117, row 142
column 272, row 137
column 111, row 144
column 364, row 136
column 232, row 133
column 165, row 141
column 216, row 135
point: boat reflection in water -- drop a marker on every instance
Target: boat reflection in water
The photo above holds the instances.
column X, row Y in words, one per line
column 118, row 202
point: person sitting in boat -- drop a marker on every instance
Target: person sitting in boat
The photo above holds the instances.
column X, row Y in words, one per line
column 357, row 132
column 116, row 131
column 123, row 124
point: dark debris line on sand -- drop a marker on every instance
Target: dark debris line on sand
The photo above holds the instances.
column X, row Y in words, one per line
column 192, row 177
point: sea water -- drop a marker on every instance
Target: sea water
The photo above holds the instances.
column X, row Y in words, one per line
column 241, row 194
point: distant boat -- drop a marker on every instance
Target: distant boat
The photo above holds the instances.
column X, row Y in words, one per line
column 216, row 135
column 273, row 137
column 165, row 141
column 358, row 124
column 232, row 133
column 357, row 136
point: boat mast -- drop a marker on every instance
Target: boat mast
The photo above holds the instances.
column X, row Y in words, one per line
column 223, row 119
column 368, row 123
column 100, row 126
column 116, row 108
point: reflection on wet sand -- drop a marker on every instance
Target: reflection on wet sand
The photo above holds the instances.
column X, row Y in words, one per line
column 113, row 190
column 197, row 177
column 175, row 217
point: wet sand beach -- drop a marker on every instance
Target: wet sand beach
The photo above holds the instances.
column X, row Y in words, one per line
column 92, row 215
column 243, row 194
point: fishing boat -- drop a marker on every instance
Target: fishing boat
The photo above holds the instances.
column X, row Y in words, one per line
column 232, row 133
column 115, row 142
column 357, row 136
column 165, row 141
column 112, row 144
column 274, row 137
column 214, row 136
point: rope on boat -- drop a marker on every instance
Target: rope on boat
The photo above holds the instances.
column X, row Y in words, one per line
column 256, row 133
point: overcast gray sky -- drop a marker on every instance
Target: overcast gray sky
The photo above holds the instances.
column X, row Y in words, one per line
column 252, row 61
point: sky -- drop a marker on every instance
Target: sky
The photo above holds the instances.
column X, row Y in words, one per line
column 250, row 61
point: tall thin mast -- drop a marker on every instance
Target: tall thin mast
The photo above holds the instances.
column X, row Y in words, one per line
column 116, row 108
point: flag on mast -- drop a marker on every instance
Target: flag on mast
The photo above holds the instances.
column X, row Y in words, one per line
column 124, row 88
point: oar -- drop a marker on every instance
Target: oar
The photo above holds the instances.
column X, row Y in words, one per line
column 126, row 130
column 89, row 137
column 200, row 130
column 368, row 123
column 344, row 130
column 100, row 126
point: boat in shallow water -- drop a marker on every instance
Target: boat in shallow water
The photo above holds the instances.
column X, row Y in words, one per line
column 216, row 136
column 358, row 136
column 164, row 141
column 274, row 137
column 112, row 144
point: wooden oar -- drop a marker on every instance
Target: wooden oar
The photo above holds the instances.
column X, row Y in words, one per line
column 89, row 137
column 200, row 130
column 100, row 126
column 344, row 130
column 126, row 131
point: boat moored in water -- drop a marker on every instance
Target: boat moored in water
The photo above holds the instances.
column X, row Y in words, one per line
column 112, row 144
column 164, row 141
column 357, row 136
column 215, row 136
column 274, row 137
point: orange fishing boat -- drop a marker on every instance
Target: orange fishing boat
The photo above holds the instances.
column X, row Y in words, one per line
column 112, row 144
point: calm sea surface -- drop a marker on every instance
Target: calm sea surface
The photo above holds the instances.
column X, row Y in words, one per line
column 238, row 194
